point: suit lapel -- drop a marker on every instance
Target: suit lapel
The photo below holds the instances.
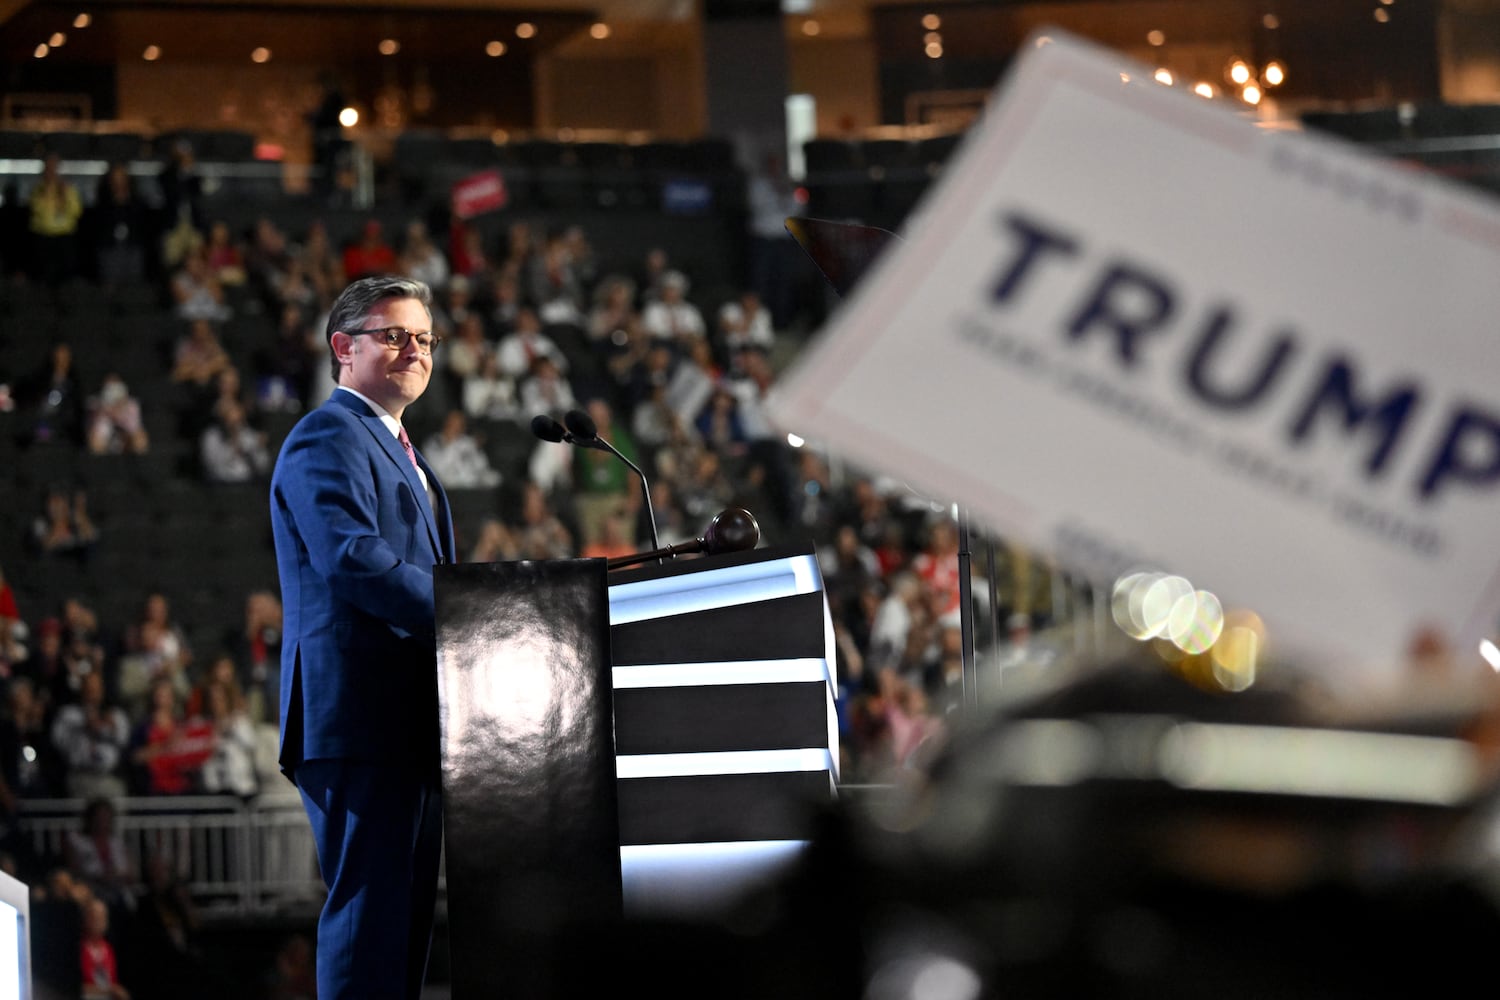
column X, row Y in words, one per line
column 386, row 442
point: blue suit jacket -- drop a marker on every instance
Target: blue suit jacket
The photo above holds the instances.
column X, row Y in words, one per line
column 356, row 541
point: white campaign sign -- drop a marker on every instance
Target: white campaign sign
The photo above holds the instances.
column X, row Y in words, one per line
column 1132, row 329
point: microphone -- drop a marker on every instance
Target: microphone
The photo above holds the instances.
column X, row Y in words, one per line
column 733, row 529
column 548, row 429
column 584, row 432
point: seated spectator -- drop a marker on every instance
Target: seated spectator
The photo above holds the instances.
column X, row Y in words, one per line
column 51, row 401
column 654, row 423
column 745, row 324
column 101, row 980
column 541, row 534
column 58, row 661
column 196, row 289
column 284, row 368
column 170, row 748
column 12, row 627
column 199, row 358
column 91, row 736
column 495, row 543
column 295, row 974
column 636, row 363
column 154, row 648
column 114, row 423
column 223, row 672
column 95, row 854
column 693, row 382
column 464, row 351
column 181, row 186
column 466, row 252
column 704, row 488
column 230, row 767
column 615, row 538
column 294, row 285
column 57, row 933
column 452, row 307
column 614, row 308
column 490, row 394
column 324, row 268
column 719, row 424
column 420, row 257
column 231, row 450
column 526, row 343
column 169, row 960
column 673, row 318
column 258, row 646
column 267, row 254
column 602, row 484
column 56, row 208
column 457, row 458
column 546, row 390
column 29, row 763
column 229, row 392
column 849, row 566
column 64, row 527
column 581, row 257
column 654, row 268
column 505, row 301
column 121, row 225
column 370, row 255
column 519, row 248
column 225, row 259
column 554, row 284
column 48, row 666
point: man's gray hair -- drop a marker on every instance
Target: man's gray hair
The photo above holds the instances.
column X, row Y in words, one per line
column 362, row 297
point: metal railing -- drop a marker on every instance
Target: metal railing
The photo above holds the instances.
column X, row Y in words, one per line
column 235, row 858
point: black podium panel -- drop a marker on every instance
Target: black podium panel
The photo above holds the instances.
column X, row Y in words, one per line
column 721, row 717
column 532, row 829
column 782, row 628
column 721, row 808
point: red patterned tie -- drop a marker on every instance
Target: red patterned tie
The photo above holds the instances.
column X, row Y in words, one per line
column 410, row 454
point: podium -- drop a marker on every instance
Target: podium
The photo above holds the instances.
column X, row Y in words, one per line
column 647, row 742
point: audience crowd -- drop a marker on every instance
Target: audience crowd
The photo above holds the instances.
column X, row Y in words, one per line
column 532, row 322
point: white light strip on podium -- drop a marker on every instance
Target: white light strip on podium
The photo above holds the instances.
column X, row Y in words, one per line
column 678, row 765
column 689, row 879
column 715, row 588
column 729, row 672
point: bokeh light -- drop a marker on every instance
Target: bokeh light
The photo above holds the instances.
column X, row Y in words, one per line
column 1195, row 622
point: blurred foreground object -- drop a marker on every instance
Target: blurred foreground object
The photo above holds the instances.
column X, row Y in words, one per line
column 1129, row 834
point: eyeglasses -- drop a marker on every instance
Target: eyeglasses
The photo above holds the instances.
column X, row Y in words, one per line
column 399, row 336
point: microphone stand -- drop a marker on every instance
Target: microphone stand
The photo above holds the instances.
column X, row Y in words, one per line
column 966, row 614
column 645, row 487
column 659, row 554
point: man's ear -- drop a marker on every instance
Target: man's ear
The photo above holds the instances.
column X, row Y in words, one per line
column 342, row 345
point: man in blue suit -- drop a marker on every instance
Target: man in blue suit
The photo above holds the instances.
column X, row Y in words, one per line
column 359, row 522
